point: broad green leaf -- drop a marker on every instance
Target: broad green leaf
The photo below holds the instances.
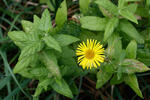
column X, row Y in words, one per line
column 115, row 80
column 93, row 23
column 121, row 4
column 36, row 21
column 131, row 50
column 18, row 37
column 49, row 60
column 62, row 87
column 102, row 78
column 108, row 5
column 42, row 85
column 84, row 6
column 45, row 23
column 23, row 63
column 61, row 15
column 28, row 26
column 31, row 49
column 52, row 43
column 128, row 15
column 65, row 40
column 131, row 31
column 51, row 4
column 131, row 66
column 111, row 25
column 131, row 80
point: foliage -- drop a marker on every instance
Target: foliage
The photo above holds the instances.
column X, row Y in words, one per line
column 48, row 50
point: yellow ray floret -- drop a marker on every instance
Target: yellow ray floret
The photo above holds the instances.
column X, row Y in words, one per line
column 90, row 54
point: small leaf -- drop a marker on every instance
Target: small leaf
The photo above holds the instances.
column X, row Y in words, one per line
column 108, row 5
column 36, row 21
column 65, row 40
column 131, row 50
column 84, row 6
column 128, row 15
column 111, row 25
column 31, row 49
column 93, row 23
column 61, row 15
column 17, row 36
column 102, row 78
column 52, row 43
column 131, row 31
column 28, row 26
column 23, row 63
column 45, row 23
column 42, row 85
column 62, row 87
column 131, row 66
column 49, row 60
column 131, row 80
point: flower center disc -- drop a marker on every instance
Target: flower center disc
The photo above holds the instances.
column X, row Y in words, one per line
column 89, row 54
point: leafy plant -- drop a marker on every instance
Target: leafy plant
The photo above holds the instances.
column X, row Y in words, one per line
column 48, row 53
column 121, row 64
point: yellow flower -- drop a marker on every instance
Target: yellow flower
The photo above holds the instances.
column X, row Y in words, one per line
column 90, row 54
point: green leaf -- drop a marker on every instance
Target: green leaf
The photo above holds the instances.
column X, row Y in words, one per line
column 115, row 80
column 28, row 26
column 131, row 80
column 62, row 87
column 84, row 6
column 131, row 50
column 45, row 23
column 93, row 23
column 61, row 15
column 108, row 5
column 121, row 4
column 111, row 25
column 49, row 60
column 128, row 15
column 52, row 43
column 131, row 31
column 31, row 49
column 42, row 85
column 65, row 40
column 36, row 21
column 23, row 63
column 18, row 37
column 131, row 66
column 102, row 78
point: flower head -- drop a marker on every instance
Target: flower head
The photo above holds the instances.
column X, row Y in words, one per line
column 90, row 54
